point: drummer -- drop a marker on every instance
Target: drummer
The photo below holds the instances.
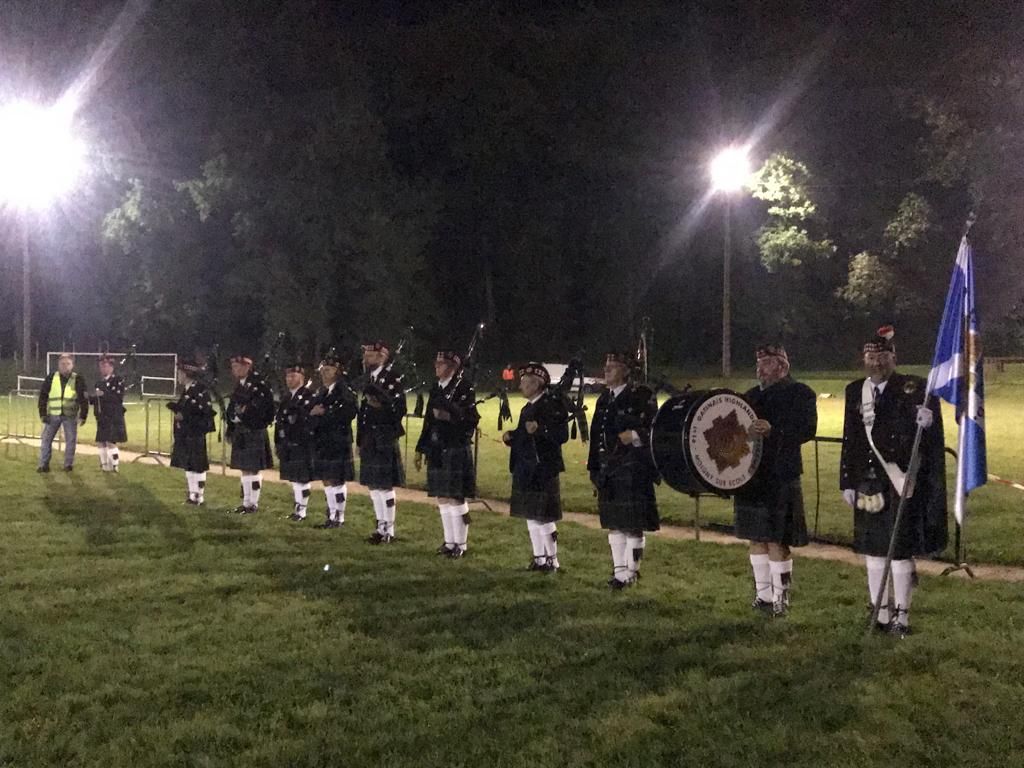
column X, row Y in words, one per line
column 621, row 468
column 770, row 508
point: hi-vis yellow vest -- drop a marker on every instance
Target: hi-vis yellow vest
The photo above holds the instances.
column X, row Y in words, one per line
column 63, row 401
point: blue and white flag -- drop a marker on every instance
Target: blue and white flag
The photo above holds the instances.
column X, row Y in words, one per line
column 957, row 374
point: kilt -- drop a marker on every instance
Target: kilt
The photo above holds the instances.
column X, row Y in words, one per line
column 625, row 502
column 295, row 461
column 250, row 449
column 110, row 427
column 450, row 473
column 871, row 530
column 380, row 466
column 543, row 504
column 189, row 453
column 776, row 516
column 335, row 470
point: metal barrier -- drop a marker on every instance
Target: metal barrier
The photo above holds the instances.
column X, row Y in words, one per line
column 158, row 435
column 23, row 423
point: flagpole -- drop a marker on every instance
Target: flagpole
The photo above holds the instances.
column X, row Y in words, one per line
column 911, row 476
column 960, row 499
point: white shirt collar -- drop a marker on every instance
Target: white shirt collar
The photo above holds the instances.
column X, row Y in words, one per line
column 331, row 388
column 376, row 372
column 538, row 397
column 445, row 382
column 880, row 386
column 293, row 391
column 618, row 390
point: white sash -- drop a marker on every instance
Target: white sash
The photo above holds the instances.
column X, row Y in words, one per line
column 867, row 409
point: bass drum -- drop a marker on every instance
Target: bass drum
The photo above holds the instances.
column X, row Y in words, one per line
column 700, row 442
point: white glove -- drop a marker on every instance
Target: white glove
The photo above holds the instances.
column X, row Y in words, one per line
column 849, row 496
column 925, row 417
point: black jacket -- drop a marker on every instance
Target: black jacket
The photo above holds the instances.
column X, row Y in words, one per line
column 458, row 399
column 535, row 459
column 258, row 401
column 791, row 408
column 332, row 431
column 196, row 409
column 385, row 422
column 292, row 423
column 634, row 409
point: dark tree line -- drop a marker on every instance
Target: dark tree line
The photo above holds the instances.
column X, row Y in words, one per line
column 338, row 171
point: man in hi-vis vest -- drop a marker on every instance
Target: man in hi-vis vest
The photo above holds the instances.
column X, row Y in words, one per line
column 62, row 403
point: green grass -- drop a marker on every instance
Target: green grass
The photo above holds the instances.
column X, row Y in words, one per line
column 995, row 531
column 137, row 632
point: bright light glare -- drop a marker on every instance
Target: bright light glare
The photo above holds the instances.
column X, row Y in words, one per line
column 40, row 159
column 730, row 170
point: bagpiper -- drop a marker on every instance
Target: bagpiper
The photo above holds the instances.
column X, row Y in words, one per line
column 883, row 412
column 379, row 427
column 193, row 421
column 108, row 406
column 769, row 510
column 446, row 442
column 621, row 468
column 250, row 411
column 536, row 463
column 293, row 438
column 334, row 408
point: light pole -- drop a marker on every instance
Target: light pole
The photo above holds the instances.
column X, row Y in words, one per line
column 40, row 159
column 730, row 171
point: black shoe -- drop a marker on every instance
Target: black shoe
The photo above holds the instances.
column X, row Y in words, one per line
column 456, row 553
column 617, row 585
column 328, row 523
column 386, row 538
column 444, row 550
column 779, row 609
column 535, row 566
column 69, row 469
column 765, row 606
column 881, row 628
column 190, row 501
column 899, row 630
column 43, row 470
column 237, row 510
column 375, row 538
column 296, row 518
column 251, row 510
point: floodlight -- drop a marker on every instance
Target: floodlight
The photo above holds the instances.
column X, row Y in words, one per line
column 40, row 158
column 730, row 170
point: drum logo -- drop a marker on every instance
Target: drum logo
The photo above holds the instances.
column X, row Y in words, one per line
column 721, row 451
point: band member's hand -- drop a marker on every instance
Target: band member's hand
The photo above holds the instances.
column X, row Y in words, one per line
column 761, row 428
column 418, row 461
column 532, row 427
column 506, row 438
column 179, row 417
column 99, row 392
column 373, row 402
column 925, row 417
column 317, row 410
column 442, row 415
column 626, row 437
column 849, row 497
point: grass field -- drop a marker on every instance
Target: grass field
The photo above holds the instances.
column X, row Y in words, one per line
column 995, row 530
column 138, row 632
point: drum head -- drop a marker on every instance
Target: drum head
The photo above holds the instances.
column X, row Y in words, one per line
column 716, row 441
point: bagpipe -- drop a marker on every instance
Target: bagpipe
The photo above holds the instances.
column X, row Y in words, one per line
column 468, row 366
column 270, row 368
column 569, row 390
column 209, row 376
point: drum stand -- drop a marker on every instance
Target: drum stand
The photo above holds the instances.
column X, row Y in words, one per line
column 961, row 557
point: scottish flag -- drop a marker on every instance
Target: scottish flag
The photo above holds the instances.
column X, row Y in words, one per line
column 957, row 374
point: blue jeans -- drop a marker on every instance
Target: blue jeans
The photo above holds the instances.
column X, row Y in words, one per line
column 54, row 423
